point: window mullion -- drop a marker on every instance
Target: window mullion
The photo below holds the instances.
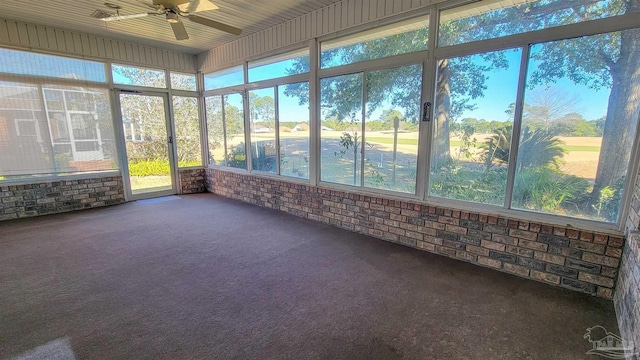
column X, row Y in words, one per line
column 428, row 95
column 362, row 125
column 517, row 125
column 224, row 129
column 276, row 106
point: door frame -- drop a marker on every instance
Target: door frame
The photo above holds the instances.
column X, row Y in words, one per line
column 123, row 159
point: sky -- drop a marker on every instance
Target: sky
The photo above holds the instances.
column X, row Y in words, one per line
column 500, row 92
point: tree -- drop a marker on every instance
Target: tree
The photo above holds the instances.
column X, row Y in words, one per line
column 603, row 61
column 147, row 115
column 262, row 109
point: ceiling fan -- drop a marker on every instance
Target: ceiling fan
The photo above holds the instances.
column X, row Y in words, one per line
column 173, row 10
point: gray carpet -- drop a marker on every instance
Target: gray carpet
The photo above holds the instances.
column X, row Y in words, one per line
column 203, row 277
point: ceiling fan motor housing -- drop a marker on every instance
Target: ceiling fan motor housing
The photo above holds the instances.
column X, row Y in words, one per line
column 172, row 17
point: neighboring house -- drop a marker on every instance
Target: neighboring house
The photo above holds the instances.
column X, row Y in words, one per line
column 41, row 123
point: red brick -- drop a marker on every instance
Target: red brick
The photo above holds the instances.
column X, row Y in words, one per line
column 527, row 235
column 615, row 241
column 516, row 269
column 546, row 277
column 605, row 293
column 492, row 245
column 586, row 236
column 457, row 229
column 550, row 258
column 489, row 262
column 426, row 246
column 600, row 239
column 559, row 231
column 448, row 220
column 614, row 252
column 587, row 246
column 535, row 227
column 477, row 250
column 573, row 234
column 433, row 240
column 596, row 279
column 600, row 259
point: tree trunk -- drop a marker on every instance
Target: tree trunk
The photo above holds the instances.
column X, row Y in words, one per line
column 441, row 147
column 622, row 113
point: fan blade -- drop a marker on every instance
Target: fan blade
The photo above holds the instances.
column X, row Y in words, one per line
column 179, row 31
column 197, row 6
column 214, row 24
column 125, row 17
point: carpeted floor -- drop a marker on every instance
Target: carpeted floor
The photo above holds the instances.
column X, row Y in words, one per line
column 203, row 277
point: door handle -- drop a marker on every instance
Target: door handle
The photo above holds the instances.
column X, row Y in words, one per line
column 426, row 111
column 170, row 139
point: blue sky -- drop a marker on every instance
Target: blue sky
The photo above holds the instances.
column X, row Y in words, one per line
column 500, row 92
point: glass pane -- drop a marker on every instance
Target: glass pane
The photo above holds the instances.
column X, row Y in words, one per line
column 131, row 75
column 79, row 101
column 26, row 63
column 341, row 129
column 262, row 114
column 492, row 19
column 475, row 96
column 215, row 130
column 234, row 128
column 147, row 145
column 399, row 38
column 37, row 142
column 391, row 124
column 183, row 81
column 293, row 114
column 578, row 127
column 187, row 125
column 220, row 79
column 292, row 63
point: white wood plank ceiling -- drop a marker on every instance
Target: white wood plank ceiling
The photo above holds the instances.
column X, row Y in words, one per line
column 250, row 15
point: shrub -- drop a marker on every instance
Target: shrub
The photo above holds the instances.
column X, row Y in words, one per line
column 546, row 189
column 154, row 167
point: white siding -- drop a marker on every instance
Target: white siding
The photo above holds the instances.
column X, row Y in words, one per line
column 328, row 20
column 25, row 36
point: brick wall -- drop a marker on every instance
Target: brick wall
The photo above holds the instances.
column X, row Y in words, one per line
column 27, row 200
column 627, row 294
column 575, row 259
column 191, row 181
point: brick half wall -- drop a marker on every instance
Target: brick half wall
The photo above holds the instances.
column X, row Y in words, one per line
column 191, row 181
column 627, row 294
column 572, row 258
column 51, row 197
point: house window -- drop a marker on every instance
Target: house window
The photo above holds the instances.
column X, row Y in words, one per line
column 291, row 63
column 225, row 129
column 224, row 78
column 138, row 76
column 473, row 122
column 187, row 129
column 384, row 41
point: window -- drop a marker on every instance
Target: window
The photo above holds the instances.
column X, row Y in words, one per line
column 26, row 63
column 341, row 129
column 475, row 97
column 138, row 76
column 399, row 38
column 52, row 132
column 225, row 127
column 262, row 114
column 391, row 128
column 381, row 151
column 578, row 128
column 293, row 126
column 280, row 129
column 185, row 82
column 291, row 63
column 492, row 19
column 224, row 78
column 187, row 125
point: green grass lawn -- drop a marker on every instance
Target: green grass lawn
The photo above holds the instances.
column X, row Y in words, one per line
column 457, row 143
